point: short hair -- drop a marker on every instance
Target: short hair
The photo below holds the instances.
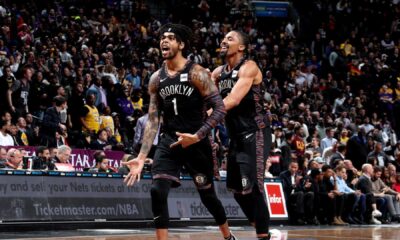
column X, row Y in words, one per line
column 41, row 149
column 97, row 154
column 288, row 135
column 59, row 100
column 244, row 38
column 100, row 131
column 365, row 166
column 339, row 168
column 341, row 147
column 100, row 159
column 182, row 33
column 378, row 169
column 11, row 152
column 325, row 168
column 63, row 149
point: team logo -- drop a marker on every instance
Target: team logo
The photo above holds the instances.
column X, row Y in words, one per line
column 200, row 180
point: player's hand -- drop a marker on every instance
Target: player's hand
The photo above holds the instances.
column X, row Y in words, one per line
column 185, row 140
column 135, row 166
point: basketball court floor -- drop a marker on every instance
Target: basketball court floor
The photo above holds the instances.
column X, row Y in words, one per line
column 374, row 232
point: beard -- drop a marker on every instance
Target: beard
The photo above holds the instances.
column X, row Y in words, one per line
column 223, row 54
column 171, row 54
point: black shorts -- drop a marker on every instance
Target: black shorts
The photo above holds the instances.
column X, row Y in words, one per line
column 246, row 161
column 197, row 159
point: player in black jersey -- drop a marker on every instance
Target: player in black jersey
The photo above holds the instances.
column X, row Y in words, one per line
column 180, row 92
column 240, row 84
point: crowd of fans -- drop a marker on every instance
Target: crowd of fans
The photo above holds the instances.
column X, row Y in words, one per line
column 76, row 73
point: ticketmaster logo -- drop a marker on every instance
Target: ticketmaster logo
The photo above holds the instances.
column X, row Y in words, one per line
column 117, row 210
column 198, row 209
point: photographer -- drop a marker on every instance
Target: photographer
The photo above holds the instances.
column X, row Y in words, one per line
column 42, row 159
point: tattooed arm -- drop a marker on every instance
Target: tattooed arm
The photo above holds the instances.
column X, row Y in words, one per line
column 151, row 129
column 202, row 81
column 150, row 132
column 200, row 78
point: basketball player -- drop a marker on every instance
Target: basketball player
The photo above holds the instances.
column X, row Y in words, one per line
column 180, row 91
column 240, row 84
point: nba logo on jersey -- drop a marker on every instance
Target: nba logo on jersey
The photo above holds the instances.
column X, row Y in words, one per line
column 234, row 73
column 184, row 77
column 200, row 179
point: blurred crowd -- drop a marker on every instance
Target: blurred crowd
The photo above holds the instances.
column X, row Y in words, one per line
column 76, row 73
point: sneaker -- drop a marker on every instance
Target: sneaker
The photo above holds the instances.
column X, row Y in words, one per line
column 375, row 221
column 274, row 234
column 231, row 237
column 376, row 213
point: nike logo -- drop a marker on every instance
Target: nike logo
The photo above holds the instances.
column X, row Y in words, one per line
column 248, row 135
column 163, row 79
column 156, row 217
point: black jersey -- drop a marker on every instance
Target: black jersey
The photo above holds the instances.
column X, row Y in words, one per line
column 182, row 105
column 250, row 114
column 20, row 93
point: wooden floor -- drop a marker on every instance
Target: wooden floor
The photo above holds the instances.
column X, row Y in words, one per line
column 210, row 233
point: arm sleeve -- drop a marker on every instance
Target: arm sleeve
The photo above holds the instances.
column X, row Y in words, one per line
column 215, row 101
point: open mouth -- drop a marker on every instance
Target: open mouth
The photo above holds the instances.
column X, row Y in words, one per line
column 224, row 47
column 165, row 49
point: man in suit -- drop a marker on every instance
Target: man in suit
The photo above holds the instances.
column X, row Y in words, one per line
column 364, row 184
column 52, row 122
column 300, row 204
column 338, row 156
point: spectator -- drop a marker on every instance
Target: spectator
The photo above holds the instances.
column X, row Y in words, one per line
column 107, row 121
column 101, row 143
column 379, row 154
column 139, row 131
column 25, row 135
column 18, row 94
column 42, row 160
column 52, row 122
column 364, row 184
column 76, row 102
column 333, row 199
column 134, row 78
column 102, row 165
column 14, row 159
column 125, row 105
column 352, row 199
column 299, row 203
column 90, row 118
column 329, row 140
column 61, row 160
column 298, row 142
column 381, row 190
column 96, row 89
column 339, row 155
column 6, row 82
column 5, row 137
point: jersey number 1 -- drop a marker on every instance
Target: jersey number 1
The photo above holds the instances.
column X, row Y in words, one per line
column 175, row 106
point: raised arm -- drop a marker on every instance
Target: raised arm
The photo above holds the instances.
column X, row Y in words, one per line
column 202, row 81
column 248, row 74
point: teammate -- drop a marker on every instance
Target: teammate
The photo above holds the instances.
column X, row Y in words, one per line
column 240, row 84
column 180, row 91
